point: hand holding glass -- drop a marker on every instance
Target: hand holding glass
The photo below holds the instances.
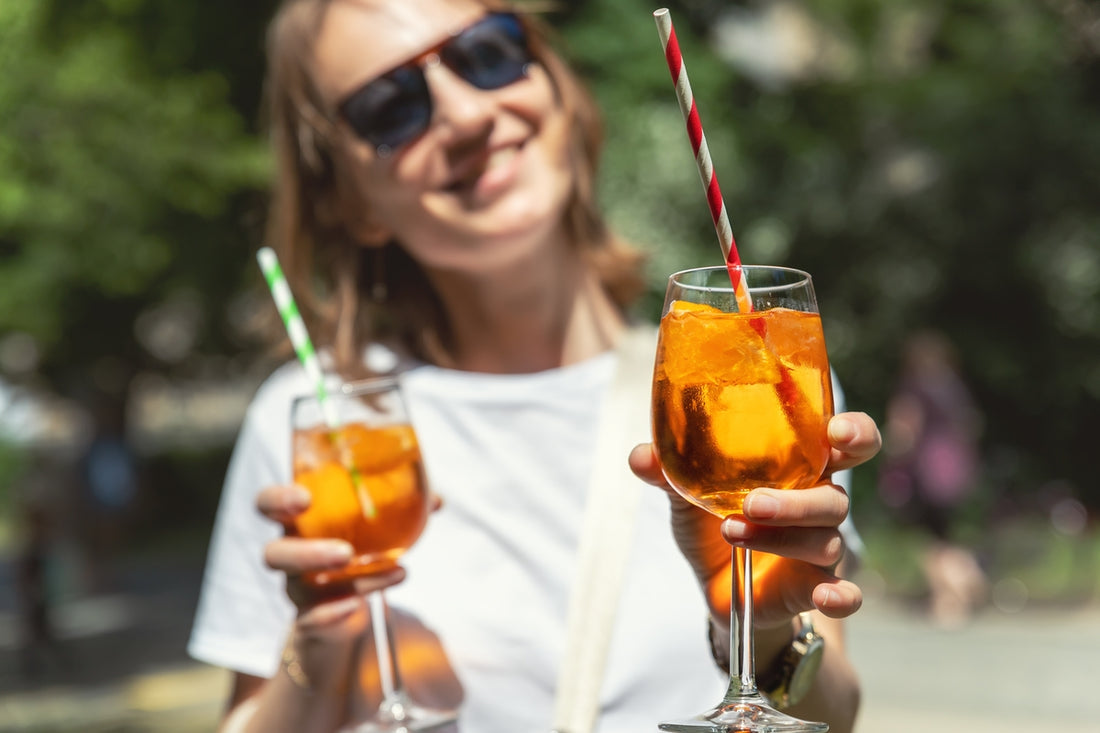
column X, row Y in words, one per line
column 368, row 487
column 740, row 401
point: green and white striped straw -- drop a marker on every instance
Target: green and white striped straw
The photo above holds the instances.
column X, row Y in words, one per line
column 296, row 330
column 303, row 347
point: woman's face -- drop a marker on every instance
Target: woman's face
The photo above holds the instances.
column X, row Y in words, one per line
column 485, row 184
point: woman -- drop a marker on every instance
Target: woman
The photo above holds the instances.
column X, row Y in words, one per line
column 436, row 170
column 931, row 470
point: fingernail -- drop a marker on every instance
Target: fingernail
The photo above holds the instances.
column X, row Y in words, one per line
column 337, row 552
column 761, row 506
column 735, row 529
column 300, row 497
column 842, row 431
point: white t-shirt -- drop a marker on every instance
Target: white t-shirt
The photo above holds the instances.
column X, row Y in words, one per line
column 490, row 576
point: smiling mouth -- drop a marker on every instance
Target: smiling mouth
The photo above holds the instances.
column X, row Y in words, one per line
column 469, row 178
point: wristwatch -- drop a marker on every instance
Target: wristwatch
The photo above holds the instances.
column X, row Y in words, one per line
column 792, row 674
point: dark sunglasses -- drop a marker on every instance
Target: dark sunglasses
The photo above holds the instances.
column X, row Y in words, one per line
column 394, row 108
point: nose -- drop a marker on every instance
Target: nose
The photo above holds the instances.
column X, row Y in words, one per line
column 461, row 110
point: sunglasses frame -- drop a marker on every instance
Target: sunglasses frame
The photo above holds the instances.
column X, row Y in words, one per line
column 431, row 57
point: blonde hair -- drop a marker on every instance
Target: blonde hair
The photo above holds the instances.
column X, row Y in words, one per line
column 334, row 277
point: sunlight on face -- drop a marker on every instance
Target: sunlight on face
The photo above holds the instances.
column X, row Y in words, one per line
column 484, row 187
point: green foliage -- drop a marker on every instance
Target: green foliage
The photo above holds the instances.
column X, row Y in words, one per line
column 13, row 463
column 937, row 164
column 107, row 171
column 650, row 185
column 13, row 466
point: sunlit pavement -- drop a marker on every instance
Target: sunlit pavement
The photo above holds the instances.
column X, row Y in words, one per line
column 182, row 700
column 123, row 669
column 1033, row 670
column 118, row 664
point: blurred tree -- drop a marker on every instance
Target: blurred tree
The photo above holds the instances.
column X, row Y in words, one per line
column 130, row 192
column 124, row 178
column 932, row 163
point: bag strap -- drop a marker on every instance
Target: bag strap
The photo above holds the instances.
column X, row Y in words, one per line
column 606, row 535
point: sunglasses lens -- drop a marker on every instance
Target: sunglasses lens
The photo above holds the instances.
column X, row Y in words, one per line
column 490, row 54
column 392, row 109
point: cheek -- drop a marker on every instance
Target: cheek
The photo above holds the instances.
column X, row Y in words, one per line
column 557, row 152
column 357, row 174
column 374, row 193
column 545, row 111
column 557, row 135
column 541, row 111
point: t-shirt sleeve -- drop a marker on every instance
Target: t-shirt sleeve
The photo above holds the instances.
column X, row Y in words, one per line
column 243, row 613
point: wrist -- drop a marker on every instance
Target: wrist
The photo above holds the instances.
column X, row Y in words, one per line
column 317, row 668
column 292, row 666
column 794, row 653
column 789, row 676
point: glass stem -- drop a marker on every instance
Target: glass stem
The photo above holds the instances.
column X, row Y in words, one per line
column 394, row 703
column 742, row 652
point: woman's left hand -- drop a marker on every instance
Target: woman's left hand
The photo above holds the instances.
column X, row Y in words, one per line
column 798, row 530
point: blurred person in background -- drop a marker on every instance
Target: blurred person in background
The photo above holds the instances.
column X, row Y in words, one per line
column 931, row 469
column 37, row 499
column 434, row 210
column 109, row 491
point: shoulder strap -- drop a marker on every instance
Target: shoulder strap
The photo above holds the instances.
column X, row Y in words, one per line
column 605, row 536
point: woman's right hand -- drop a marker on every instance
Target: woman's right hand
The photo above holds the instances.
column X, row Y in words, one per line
column 297, row 556
column 329, row 618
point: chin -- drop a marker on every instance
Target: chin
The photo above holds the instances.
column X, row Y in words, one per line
column 531, row 211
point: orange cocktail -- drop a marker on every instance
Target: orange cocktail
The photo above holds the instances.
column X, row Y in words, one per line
column 740, row 400
column 368, row 488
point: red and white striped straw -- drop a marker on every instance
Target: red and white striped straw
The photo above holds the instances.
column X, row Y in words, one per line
column 702, row 156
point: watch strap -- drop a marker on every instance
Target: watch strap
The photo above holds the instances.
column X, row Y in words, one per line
column 792, row 673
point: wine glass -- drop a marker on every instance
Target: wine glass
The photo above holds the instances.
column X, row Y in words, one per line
column 357, row 454
column 741, row 400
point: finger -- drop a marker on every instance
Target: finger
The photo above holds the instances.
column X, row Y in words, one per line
column 283, row 503
column 837, row 598
column 820, row 506
column 855, row 439
column 305, row 595
column 643, row 462
column 365, row 584
column 296, row 555
column 784, row 587
column 329, row 612
column 435, row 502
column 823, row 547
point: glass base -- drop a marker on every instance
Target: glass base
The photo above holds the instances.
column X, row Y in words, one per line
column 747, row 715
column 404, row 717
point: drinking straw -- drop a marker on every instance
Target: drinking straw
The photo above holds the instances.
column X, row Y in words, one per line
column 296, row 330
column 307, row 355
column 703, row 161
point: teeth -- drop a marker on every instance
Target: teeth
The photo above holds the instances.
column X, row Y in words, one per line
column 501, row 156
column 495, row 158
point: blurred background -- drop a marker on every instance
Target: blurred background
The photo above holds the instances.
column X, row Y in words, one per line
column 934, row 164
